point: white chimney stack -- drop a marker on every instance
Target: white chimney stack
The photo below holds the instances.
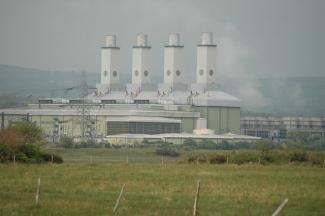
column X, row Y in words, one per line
column 173, row 39
column 141, row 61
column 206, row 60
column 142, row 40
column 173, row 61
column 110, row 61
column 207, row 38
column 111, row 41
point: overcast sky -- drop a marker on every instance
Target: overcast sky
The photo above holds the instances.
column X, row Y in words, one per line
column 256, row 38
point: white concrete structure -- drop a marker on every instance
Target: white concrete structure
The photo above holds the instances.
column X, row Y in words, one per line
column 110, row 62
column 173, row 61
column 141, row 61
column 206, row 60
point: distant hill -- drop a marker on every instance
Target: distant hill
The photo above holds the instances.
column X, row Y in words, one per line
column 287, row 96
column 27, row 81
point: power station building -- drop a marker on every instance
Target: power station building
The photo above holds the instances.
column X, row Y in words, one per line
column 140, row 107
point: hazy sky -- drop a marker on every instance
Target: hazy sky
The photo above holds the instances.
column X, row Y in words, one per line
column 256, row 38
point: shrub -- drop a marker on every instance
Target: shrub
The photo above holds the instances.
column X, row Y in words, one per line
column 189, row 144
column 198, row 158
column 66, row 142
column 21, row 157
column 298, row 155
column 48, row 158
column 244, row 157
column 217, row 159
column 5, row 153
column 316, row 158
column 32, row 152
column 167, row 149
column 207, row 144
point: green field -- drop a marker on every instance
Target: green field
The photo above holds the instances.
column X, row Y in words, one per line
column 152, row 188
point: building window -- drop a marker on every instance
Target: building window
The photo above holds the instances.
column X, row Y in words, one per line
column 168, row 73
column 211, row 72
column 146, row 73
column 109, row 101
column 201, row 72
column 141, row 101
column 114, row 73
column 136, row 73
column 178, row 73
column 115, row 127
column 105, row 73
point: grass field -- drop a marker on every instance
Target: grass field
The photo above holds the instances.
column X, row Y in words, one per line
column 156, row 189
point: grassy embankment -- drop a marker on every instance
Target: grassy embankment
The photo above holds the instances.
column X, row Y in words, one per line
column 155, row 189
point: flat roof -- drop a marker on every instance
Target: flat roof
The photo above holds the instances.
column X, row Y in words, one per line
column 227, row 136
column 144, row 119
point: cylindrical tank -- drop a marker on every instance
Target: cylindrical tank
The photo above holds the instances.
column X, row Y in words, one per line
column 111, row 40
column 207, row 38
column 173, row 39
column 142, row 40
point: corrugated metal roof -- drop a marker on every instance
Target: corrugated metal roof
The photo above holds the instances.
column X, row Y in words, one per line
column 228, row 136
column 144, row 119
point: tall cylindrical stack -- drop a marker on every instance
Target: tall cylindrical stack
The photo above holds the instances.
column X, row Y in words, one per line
column 110, row 41
column 141, row 61
column 110, row 61
column 206, row 60
column 173, row 60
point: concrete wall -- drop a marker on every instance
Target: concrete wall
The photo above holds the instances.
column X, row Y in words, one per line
column 221, row 119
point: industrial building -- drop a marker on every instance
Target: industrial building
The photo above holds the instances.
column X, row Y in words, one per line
column 281, row 127
column 113, row 108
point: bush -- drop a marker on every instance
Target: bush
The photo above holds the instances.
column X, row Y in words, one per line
column 217, row 159
column 66, row 142
column 167, row 149
column 32, row 152
column 244, row 157
column 198, row 158
column 207, row 144
column 5, row 153
column 298, row 155
column 189, row 144
column 21, row 157
column 48, row 158
column 316, row 158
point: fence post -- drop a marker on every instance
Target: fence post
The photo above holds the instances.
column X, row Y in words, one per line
column 277, row 211
column 127, row 159
column 52, row 159
column 196, row 200
column 14, row 159
column 227, row 159
column 162, row 159
column 37, row 191
column 118, row 199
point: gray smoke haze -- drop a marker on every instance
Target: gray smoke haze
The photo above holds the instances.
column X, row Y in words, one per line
column 256, row 38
